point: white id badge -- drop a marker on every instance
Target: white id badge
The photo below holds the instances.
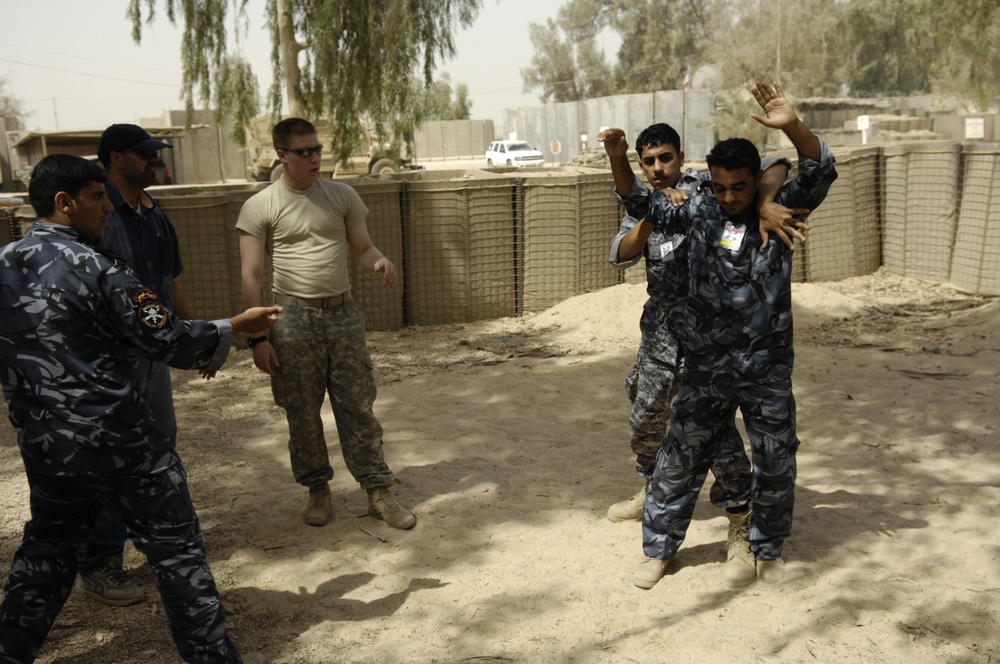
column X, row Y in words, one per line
column 665, row 249
column 732, row 237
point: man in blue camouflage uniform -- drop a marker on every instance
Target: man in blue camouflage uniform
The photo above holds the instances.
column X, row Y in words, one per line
column 140, row 232
column 73, row 320
column 738, row 341
column 652, row 382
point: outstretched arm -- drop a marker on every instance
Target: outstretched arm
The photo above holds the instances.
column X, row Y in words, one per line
column 779, row 114
column 616, row 145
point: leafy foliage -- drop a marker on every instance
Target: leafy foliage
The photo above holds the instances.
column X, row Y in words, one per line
column 439, row 104
column 815, row 47
column 11, row 106
column 359, row 63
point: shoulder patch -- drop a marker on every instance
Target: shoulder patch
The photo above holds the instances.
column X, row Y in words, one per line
column 152, row 314
column 143, row 295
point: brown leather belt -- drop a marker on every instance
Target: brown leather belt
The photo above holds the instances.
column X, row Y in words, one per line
column 314, row 302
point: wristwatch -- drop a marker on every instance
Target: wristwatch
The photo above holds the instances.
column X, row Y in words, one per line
column 253, row 341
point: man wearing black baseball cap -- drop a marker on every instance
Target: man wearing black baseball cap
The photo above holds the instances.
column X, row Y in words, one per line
column 123, row 137
column 140, row 232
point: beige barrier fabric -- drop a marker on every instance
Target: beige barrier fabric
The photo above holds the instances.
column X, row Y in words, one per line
column 975, row 262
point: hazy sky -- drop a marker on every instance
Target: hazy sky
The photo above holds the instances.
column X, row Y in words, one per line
column 75, row 66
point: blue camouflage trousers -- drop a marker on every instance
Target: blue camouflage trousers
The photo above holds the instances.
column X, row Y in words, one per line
column 323, row 352
column 651, row 385
column 157, row 509
column 109, row 534
column 706, row 403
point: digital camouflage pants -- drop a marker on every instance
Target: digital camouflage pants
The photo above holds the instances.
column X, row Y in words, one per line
column 157, row 509
column 706, row 403
column 651, row 385
column 323, row 352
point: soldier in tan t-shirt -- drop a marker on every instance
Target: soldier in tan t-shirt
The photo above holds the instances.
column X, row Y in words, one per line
column 318, row 347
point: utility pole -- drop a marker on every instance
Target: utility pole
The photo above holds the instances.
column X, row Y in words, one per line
column 777, row 73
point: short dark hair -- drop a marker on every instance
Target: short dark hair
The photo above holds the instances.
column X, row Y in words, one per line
column 290, row 127
column 655, row 135
column 60, row 172
column 733, row 154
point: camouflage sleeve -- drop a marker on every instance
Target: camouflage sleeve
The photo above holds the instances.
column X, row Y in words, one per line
column 811, row 185
column 767, row 163
column 668, row 218
column 139, row 317
column 628, row 223
column 636, row 201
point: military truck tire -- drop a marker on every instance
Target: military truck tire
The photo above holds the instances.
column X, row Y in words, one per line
column 276, row 172
column 383, row 167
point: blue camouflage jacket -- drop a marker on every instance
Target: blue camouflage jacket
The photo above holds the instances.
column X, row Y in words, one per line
column 739, row 295
column 72, row 320
column 667, row 260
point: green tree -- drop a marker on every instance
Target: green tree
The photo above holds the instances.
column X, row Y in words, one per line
column 659, row 39
column 567, row 67
column 357, row 62
column 11, row 107
column 439, row 104
column 796, row 43
column 892, row 51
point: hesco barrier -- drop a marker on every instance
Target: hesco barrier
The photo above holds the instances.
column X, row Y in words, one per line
column 921, row 208
column 461, row 238
column 845, row 238
column 472, row 245
column 975, row 262
column 383, row 306
column 567, row 222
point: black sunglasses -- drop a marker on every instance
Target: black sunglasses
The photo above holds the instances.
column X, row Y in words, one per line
column 305, row 153
column 148, row 155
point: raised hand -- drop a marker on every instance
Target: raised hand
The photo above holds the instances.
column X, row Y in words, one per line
column 778, row 111
column 615, row 143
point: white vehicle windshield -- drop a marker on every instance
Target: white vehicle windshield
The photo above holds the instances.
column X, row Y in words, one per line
column 517, row 147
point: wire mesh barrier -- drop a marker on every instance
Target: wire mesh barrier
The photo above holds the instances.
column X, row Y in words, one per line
column 567, row 224
column 975, row 261
column 461, row 240
column 844, row 240
column 920, row 209
column 471, row 245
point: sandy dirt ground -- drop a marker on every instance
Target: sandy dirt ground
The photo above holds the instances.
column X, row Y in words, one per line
column 509, row 441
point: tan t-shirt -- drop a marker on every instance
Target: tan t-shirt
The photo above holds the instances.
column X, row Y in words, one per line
column 308, row 230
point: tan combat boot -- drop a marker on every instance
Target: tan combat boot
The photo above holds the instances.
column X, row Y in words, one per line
column 319, row 509
column 382, row 505
column 631, row 509
column 771, row 571
column 741, row 568
column 649, row 572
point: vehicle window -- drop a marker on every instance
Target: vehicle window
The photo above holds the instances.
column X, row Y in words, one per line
column 503, row 148
column 521, row 145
